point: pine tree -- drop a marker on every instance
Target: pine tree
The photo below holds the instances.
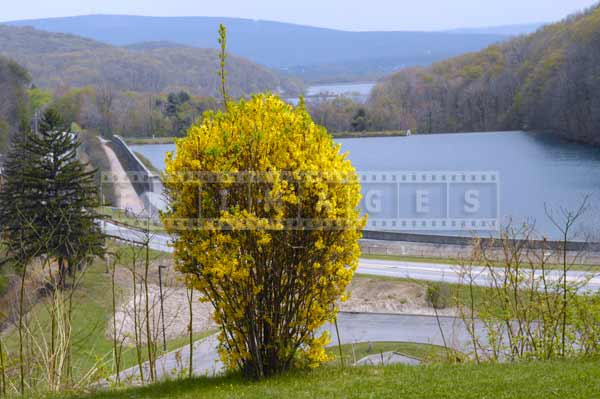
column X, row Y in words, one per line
column 19, row 236
column 48, row 201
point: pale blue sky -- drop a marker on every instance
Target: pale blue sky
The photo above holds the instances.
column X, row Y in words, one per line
column 340, row 14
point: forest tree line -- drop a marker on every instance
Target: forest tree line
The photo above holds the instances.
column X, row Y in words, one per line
column 107, row 111
column 100, row 109
column 546, row 81
column 13, row 101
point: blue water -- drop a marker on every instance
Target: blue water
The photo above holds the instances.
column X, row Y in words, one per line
column 536, row 171
column 358, row 92
column 363, row 89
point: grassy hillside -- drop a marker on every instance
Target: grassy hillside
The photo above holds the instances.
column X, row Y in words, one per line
column 56, row 59
column 279, row 45
column 524, row 380
column 547, row 81
column 92, row 310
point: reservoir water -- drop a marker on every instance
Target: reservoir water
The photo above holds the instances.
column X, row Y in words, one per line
column 338, row 89
column 357, row 91
column 536, row 172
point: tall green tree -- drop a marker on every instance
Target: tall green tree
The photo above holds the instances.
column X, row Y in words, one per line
column 49, row 198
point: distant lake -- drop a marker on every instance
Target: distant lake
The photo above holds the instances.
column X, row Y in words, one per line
column 533, row 169
column 363, row 89
column 357, row 91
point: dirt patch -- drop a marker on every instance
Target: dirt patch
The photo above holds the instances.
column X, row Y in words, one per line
column 176, row 312
column 371, row 295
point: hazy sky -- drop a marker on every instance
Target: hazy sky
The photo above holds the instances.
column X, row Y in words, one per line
column 341, row 14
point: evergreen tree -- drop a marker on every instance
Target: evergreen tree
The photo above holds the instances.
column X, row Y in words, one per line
column 360, row 121
column 48, row 200
column 19, row 236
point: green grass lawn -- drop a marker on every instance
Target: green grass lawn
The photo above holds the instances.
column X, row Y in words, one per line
column 560, row 379
column 417, row 259
column 354, row 352
column 92, row 312
column 119, row 216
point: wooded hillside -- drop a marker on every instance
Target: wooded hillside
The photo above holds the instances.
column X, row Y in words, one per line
column 547, row 81
column 13, row 99
column 56, row 59
column 311, row 53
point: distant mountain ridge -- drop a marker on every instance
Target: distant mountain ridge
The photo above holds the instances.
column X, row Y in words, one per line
column 56, row 59
column 143, row 46
column 505, row 30
column 274, row 44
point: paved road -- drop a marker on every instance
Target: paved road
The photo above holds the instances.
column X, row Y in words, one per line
column 354, row 327
column 205, row 361
column 158, row 242
column 371, row 327
column 453, row 274
column 397, row 269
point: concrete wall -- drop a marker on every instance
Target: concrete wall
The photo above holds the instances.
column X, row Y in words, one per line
column 142, row 178
column 418, row 249
column 484, row 242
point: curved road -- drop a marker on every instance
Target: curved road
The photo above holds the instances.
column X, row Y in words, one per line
column 354, row 328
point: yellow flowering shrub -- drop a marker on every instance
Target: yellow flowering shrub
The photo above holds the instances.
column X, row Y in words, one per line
column 264, row 215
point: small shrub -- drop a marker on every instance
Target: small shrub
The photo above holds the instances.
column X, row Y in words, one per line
column 439, row 295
